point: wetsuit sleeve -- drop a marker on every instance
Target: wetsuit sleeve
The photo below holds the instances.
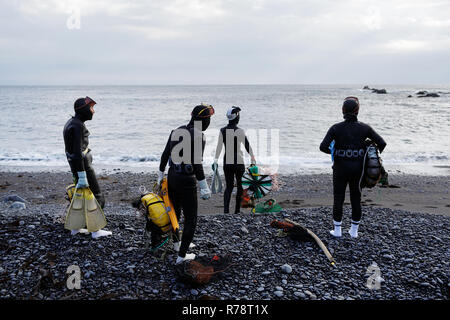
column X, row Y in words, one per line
column 375, row 137
column 198, row 168
column 219, row 145
column 330, row 136
column 77, row 158
column 249, row 148
column 165, row 155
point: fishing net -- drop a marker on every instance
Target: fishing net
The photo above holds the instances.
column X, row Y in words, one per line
column 201, row 271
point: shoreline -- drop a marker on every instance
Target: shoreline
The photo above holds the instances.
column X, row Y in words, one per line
column 417, row 169
column 435, row 169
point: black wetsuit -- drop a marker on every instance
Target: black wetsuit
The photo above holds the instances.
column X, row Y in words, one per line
column 347, row 168
column 76, row 140
column 182, row 183
column 233, row 164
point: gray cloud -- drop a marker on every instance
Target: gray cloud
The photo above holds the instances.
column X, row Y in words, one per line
column 212, row 41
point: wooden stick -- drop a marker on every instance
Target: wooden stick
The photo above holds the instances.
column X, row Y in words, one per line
column 318, row 241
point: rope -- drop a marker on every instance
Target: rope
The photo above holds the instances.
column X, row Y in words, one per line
column 160, row 245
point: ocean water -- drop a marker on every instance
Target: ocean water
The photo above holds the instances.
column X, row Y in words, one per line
column 286, row 124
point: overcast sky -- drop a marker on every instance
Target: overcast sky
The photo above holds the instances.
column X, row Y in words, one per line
column 224, row 42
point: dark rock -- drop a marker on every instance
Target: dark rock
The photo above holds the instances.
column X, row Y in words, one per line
column 286, row 268
column 300, row 294
column 278, row 293
column 13, row 198
column 429, row 95
column 18, row 205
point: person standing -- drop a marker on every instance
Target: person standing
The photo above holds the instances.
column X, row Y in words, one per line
column 231, row 136
column 349, row 138
column 184, row 153
column 78, row 153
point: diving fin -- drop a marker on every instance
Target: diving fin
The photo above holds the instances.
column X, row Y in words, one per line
column 75, row 217
column 95, row 218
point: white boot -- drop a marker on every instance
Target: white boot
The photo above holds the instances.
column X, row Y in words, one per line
column 337, row 229
column 354, row 229
column 177, row 245
column 74, row 232
column 188, row 256
column 101, row 233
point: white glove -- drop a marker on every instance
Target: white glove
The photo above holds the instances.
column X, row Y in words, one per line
column 160, row 177
column 82, row 180
column 205, row 193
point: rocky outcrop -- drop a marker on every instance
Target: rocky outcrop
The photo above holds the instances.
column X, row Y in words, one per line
column 426, row 94
column 374, row 90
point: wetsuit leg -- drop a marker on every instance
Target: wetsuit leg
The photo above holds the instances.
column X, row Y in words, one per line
column 229, row 172
column 347, row 172
column 156, row 234
column 355, row 197
column 239, row 172
column 183, row 192
column 190, row 206
column 92, row 180
column 339, row 186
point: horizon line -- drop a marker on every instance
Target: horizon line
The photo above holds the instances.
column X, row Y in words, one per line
column 224, row 84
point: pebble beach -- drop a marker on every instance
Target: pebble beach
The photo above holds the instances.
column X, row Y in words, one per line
column 409, row 249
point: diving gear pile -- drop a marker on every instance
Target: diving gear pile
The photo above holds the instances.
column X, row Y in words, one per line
column 258, row 185
column 161, row 220
column 156, row 211
column 164, row 194
column 270, row 205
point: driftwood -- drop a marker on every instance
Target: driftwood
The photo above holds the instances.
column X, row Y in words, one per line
column 301, row 233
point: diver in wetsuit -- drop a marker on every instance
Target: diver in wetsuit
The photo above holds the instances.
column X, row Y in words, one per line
column 349, row 149
column 76, row 140
column 184, row 153
column 233, row 160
